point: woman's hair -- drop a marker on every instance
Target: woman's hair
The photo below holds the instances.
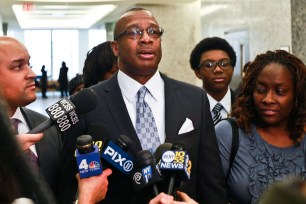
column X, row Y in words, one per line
column 244, row 108
column 100, row 60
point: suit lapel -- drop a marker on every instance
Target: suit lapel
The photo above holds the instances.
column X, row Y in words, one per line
column 172, row 107
column 118, row 110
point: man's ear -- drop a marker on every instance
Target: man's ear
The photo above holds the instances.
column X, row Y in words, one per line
column 197, row 73
column 115, row 49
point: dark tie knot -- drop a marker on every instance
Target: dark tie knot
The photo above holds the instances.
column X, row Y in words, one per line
column 217, row 108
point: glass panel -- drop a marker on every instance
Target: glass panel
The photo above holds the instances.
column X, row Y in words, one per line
column 39, row 47
column 96, row 36
column 65, row 48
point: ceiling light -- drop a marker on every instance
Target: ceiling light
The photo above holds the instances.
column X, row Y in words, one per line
column 210, row 9
column 60, row 16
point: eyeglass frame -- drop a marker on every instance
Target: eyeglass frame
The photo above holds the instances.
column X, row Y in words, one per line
column 161, row 30
column 217, row 63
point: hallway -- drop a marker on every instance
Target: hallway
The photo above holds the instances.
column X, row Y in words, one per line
column 41, row 104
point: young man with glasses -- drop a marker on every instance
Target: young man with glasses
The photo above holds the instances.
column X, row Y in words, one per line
column 213, row 61
column 180, row 113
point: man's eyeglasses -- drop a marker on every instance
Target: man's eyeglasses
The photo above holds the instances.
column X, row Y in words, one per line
column 211, row 65
column 136, row 33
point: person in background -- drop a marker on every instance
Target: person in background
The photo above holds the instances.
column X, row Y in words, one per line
column 63, row 80
column 244, row 70
column 18, row 89
column 76, row 84
column 213, row 61
column 137, row 45
column 43, row 82
column 270, row 114
column 100, row 64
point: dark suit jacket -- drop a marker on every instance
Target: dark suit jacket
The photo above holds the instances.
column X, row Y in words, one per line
column 48, row 148
column 182, row 101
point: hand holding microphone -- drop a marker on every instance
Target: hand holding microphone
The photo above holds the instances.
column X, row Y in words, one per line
column 88, row 157
column 27, row 140
column 93, row 189
column 90, row 177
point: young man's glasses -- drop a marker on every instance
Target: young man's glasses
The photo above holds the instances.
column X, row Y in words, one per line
column 136, row 33
column 211, row 65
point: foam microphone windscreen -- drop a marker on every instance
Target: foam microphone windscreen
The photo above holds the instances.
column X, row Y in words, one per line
column 86, row 100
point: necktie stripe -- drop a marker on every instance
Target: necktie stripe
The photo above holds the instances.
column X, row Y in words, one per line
column 217, row 113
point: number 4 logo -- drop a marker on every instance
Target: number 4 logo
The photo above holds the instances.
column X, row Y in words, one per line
column 83, row 164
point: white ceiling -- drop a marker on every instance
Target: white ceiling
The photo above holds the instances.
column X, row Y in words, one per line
column 68, row 14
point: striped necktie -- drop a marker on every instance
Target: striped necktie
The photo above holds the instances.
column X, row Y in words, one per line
column 31, row 157
column 217, row 113
column 145, row 123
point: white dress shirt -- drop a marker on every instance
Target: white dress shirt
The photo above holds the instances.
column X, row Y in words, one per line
column 226, row 102
column 156, row 99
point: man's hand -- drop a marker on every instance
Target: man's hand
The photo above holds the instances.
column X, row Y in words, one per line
column 93, row 189
column 163, row 198
column 184, row 197
column 27, row 140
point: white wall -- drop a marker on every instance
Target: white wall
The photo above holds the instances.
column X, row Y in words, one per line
column 182, row 31
column 268, row 23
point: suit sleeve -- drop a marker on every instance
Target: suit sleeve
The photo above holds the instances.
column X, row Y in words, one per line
column 212, row 187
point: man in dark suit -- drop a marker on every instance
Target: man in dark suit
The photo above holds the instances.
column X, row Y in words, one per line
column 17, row 87
column 213, row 61
column 181, row 113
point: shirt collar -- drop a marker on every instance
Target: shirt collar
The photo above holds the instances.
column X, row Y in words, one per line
column 226, row 101
column 18, row 115
column 130, row 87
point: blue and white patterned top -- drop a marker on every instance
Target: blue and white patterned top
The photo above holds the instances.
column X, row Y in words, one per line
column 257, row 163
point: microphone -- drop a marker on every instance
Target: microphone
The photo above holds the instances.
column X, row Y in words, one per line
column 160, row 151
column 176, row 165
column 87, row 157
column 65, row 113
column 145, row 173
column 115, row 153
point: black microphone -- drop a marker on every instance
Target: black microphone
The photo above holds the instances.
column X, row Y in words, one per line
column 145, row 173
column 175, row 165
column 115, row 154
column 160, row 151
column 65, row 113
